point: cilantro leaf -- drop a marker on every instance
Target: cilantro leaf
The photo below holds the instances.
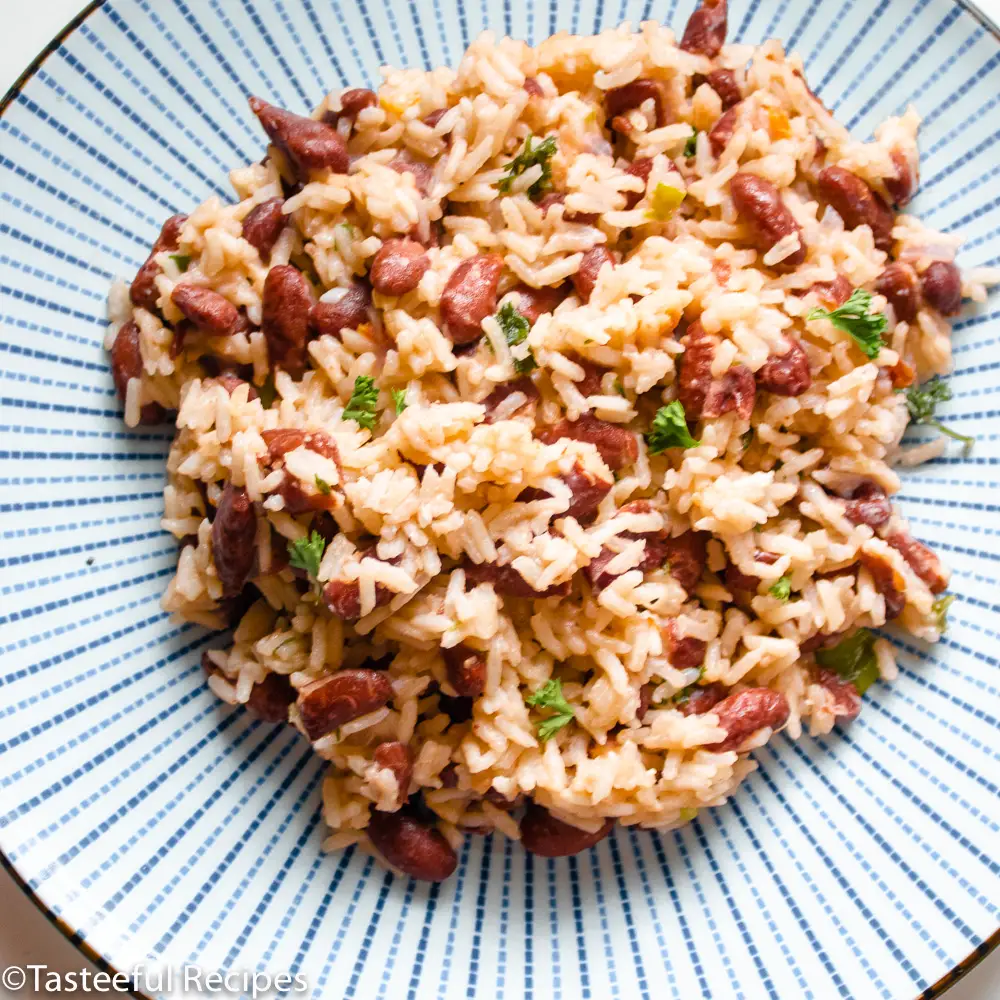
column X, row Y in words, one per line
column 853, row 659
column 940, row 608
column 853, row 317
column 691, row 146
column 323, row 486
column 540, row 153
column 781, row 588
column 361, row 405
column 182, row 260
column 550, row 696
column 922, row 401
column 398, row 399
column 515, row 327
column 670, row 429
column 307, row 553
column 664, row 201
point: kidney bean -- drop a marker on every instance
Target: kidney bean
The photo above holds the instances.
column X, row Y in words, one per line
column 654, row 555
column 590, row 384
column 209, row 311
column 343, row 598
column 857, row 204
column 285, row 439
column 329, row 702
column 885, row 579
column 269, row 699
column 921, row 560
column 620, row 100
column 590, row 267
column 902, row 187
column 398, row 267
column 759, row 205
column 543, row 834
column 832, row 293
column 720, row 134
column 683, row 651
column 348, row 312
column 587, row 493
column 412, row 846
column 307, row 144
column 535, row 302
column 705, row 33
column 466, row 670
column 508, row 582
column 263, row 225
column 470, row 296
column 846, row 700
column 723, row 82
column 558, row 198
column 234, row 539
column 645, row 700
column 287, row 305
column 617, row 446
column 868, row 504
column 500, row 801
column 898, row 283
column 742, row 585
column 687, row 555
column 230, row 381
column 641, row 168
column 449, row 776
column 501, row 392
column 126, row 357
column 703, row 699
column 352, row 103
column 787, row 374
column 694, row 370
column 736, row 390
column 532, row 87
column 741, row 715
column 941, row 284
column 143, row 291
column 422, row 170
column 396, row 757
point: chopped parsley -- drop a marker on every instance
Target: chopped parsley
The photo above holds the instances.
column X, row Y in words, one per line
column 550, row 696
column 781, row 588
column 515, row 329
column 182, row 260
column 535, row 152
column 853, row 659
column 691, row 146
column 620, row 389
column 398, row 399
column 361, row 405
column 922, row 401
column 940, row 608
column 664, row 201
column 670, row 429
column 853, row 317
column 323, row 486
column 307, row 553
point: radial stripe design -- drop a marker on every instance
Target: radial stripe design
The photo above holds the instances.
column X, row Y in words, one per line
column 162, row 828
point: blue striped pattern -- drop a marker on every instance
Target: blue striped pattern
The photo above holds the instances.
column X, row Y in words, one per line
column 165, row 828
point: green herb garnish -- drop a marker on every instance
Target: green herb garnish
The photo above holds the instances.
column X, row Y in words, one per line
column 515, row 329
column 747, row 439
column 922, row 401
column 664, row 201
column 182, row 260
column 853, row 317
column 361, row 405
column 398, row 399
column 853, row 660
column 619, row 388
column 306, row 553
column 940, row 608
column 550, row 696
column 691, row 146
column 323, row 486
column 537, row 152
column 670, row 429
column 781, row 588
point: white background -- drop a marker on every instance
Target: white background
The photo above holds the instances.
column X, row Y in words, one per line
column 25, row 935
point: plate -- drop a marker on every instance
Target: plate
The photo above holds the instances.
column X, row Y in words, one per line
column 164, row 830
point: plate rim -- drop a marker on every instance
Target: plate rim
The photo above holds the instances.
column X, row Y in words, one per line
column 933, row 992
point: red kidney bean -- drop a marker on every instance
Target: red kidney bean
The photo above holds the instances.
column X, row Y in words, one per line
column 396, row 757
column 654, row 556
column 508, row 582
column 687, row 555
column 741, row 715
column 694, row 370
column 143, row 291
column 736, row 390
column 532, row 87
column 269, row 699
column 742, row 585
column 885, row 580
column 758, row 203
column 398, row 267
column 821, row 640
column 449, row 776
column 590, row 384
column 263, row 225
column 832, row 293
column 543, row 834
column 941, row 284
column 285, row 439
column 641, row 168
column 720, row 134
column 352, row 103
column 287, row 305
column 422, row 170
column 620, row 100
column 535, row 302
column 234, row 539
column 307, row 144
column 126, row 364
column 683, row 651
column 846, row 700
column 466, row 670
column 723, row 82
column 703, row 699
column 470, row 296
column 500, row 801
column 899, row 284
column 921, row 560
column 787, row 374
column 558, row 198
column 348, row 312
column 505, row 389
column 617, row 446
column 412, row 846
column 434, row 117
column 902, row 187
column 868, row 504
column 590, row 267
column 230, row 381
column 705, row 33
column 857, row 204
column 343, row 598
column 645, row 700
column 587, row 493
column 329, row 702
column 209, row 311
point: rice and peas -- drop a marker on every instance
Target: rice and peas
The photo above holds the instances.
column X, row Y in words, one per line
column 536, row 429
